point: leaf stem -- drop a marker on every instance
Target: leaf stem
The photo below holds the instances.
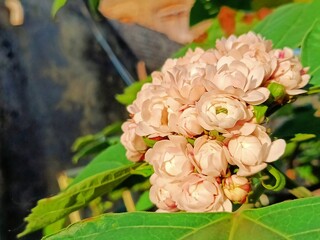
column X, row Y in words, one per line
column 254, row 197
column 128, row 201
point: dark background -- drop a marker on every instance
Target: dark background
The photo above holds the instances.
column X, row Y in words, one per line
column 56, row 83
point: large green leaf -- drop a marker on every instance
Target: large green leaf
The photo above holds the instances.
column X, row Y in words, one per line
column 297, row 219
column 101, row 176
column 288, row 25
column 311, row 52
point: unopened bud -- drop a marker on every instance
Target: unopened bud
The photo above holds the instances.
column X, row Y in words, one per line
column 236, row 188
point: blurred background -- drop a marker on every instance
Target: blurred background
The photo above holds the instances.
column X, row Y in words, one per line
column 56, row 83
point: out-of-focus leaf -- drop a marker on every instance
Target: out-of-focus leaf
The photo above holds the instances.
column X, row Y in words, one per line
column 296, row 219
column 306, row 173
column 303, row 120
column 107, row 131
column 310, row 52
column 145, row 170
column 50, row 210
column 100, row 177
column 130, row 93
column 54, row 227
column 203, row 10
column 206, row 9
column 258, row 4
column 288, row 25
column 93, row 144
column 300, row 137
column 56, row 6
column 144, row 202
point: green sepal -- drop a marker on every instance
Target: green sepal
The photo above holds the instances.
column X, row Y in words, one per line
column 260, row 112
column 277, row 91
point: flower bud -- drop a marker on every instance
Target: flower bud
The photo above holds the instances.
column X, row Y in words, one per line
column 236, row 188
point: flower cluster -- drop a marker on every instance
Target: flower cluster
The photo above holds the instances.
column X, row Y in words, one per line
column 198, row 113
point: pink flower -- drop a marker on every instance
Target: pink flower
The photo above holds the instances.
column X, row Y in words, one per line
column 161, row 193
column 186, row 123
column 152, row 110
column 184, row 78
column 210, row 157
column 133, row 143
column 171, row 158
column 290, row 72
column 202, row 194
column 251, row 152
column 236, row 188
column 250, row 41
column 221, row 111
column 235, row 77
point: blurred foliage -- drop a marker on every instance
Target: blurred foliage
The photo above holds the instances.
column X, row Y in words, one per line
column 206, row 9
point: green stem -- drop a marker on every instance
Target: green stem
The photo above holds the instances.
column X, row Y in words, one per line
column 254, row 197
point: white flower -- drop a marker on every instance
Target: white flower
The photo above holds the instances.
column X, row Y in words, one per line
column 210, row 157
column 171, row 158
column 252, row 152
column 201, row 194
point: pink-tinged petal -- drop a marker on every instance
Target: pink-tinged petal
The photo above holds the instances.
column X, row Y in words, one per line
column 276, row 150
column 251, row 170
column 247, row 129
column 296, row 91
column 257, row 96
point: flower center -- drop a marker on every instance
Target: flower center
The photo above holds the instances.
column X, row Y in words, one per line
column 221, row 110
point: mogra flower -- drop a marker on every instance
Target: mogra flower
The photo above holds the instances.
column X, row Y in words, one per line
column 210, row 157
column 235, row 77
column 289, row 72
column 202, row 194
column 134, row 144
column 162, row 192
column 171, row 158
column 218, row 111
column 252, row 151
column 186, row 122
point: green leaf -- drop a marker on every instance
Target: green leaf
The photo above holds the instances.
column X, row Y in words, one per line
column 259, row 112
column 130, row 93
column 274, row 179
column 310, row 52
column 297, row 219
column 302, row 121
column 54, row 227
column 85, row 140
column 288, row 25
column 301, row 137
column 203, row 10
column 145, row 170
column 56, row 6
column 93, row 144
column 111, row 158
column 144, row 202
column 101, row 176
